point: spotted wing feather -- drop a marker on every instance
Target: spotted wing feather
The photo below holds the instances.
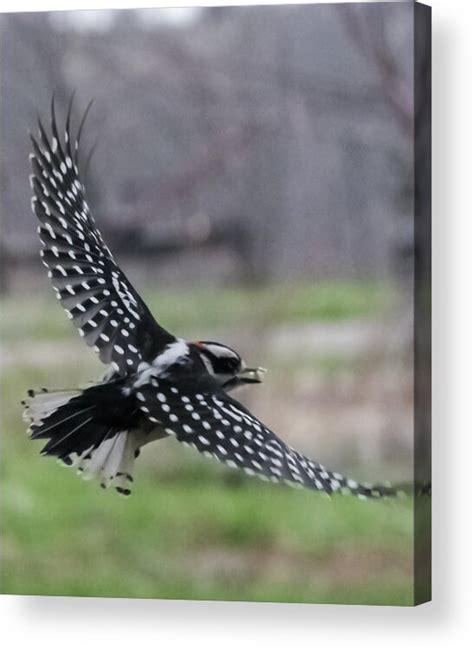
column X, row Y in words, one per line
column 96, row 294
column 218, row 426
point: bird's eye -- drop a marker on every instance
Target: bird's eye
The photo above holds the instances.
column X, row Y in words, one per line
column 234, row 363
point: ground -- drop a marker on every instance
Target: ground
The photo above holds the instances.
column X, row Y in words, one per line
column 193, row 529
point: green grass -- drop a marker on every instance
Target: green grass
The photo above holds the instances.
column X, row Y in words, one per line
column 196, row 534
column 199, row 308
column 192, row 528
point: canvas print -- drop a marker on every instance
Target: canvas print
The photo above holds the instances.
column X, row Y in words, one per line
column 216, row 303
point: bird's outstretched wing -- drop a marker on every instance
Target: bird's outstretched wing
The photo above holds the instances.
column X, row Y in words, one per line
column 218, row 426
column 96, row 294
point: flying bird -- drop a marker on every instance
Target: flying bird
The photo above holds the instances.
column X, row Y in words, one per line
column 157, row 385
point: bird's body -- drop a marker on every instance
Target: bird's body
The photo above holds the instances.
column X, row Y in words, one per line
column 157, row 385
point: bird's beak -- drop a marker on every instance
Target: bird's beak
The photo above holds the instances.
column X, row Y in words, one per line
column 251, row 375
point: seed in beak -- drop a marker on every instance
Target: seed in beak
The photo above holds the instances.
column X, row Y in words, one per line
column 252, row 374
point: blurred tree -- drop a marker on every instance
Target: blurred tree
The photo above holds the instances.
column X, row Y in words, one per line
column 282, row 123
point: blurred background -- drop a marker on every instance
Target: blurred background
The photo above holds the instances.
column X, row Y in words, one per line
column 252, row 171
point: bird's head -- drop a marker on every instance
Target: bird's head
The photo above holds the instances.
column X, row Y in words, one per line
column 226, row 365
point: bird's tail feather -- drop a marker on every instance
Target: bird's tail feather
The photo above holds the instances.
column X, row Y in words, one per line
column 70, row 421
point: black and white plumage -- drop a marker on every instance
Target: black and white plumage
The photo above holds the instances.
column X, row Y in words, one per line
column 97, row 296
column 157, row 385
